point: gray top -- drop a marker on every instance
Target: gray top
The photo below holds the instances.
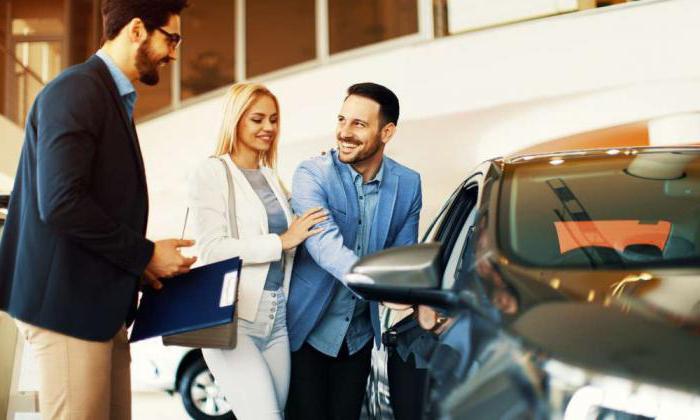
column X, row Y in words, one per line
column 276, row 222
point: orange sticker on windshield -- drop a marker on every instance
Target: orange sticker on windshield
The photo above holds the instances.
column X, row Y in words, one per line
column 617, row 234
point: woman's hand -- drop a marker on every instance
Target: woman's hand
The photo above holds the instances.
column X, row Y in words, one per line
column 300, row 229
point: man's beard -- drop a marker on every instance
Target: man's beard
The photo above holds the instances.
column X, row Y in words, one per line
column 361, row 156
column 146, row 65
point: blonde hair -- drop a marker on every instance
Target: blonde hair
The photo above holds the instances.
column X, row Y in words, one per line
column 238, row 100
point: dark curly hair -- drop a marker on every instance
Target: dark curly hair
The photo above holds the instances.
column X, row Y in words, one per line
column 116, row 14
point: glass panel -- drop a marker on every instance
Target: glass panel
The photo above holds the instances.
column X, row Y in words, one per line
column 458, row 260
column 44, row 59
column 207, row 51
column 449, row 231
column 84, row 36
column 154, row 98
column 42, row 27
column 37, row 17
column 279, row 34
column 4, row 57
column 614, row 212
column 466, row 15
column 363, row 22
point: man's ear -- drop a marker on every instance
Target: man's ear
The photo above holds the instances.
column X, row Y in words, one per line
column 388, row 132
column 136, row 30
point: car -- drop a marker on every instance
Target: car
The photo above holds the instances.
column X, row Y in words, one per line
column 182, row 370
column 571, row 283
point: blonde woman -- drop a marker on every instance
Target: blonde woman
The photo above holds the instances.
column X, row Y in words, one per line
column 254, row 377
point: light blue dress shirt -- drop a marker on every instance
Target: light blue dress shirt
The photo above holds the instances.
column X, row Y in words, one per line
column 347, row 317
column 124, row 86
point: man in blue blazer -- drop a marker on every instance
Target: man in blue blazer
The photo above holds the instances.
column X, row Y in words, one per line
column 73, row 250
column 374, row 204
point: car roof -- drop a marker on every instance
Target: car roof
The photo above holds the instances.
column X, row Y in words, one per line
column 519, row 158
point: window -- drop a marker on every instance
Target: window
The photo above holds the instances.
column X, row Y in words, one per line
column 451, row 231
column 154, row 98
column 37, row 18
column 43, row 58
column 358, row 23
column 279, row 34
column 34, row 33
column 85, row 30
column 207, row 54
column 460, row 257
column 437, row 228
column 603, row 212
column 454, row 228
column 3, row 58
column 467, row 15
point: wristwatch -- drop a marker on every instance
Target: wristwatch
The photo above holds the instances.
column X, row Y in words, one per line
column 439, row 321
column 429, row 319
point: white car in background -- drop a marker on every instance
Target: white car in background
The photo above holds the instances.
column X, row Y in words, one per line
column 182, row 370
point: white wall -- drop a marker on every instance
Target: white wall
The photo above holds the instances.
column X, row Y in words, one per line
column 466, row 98
column 11, row 137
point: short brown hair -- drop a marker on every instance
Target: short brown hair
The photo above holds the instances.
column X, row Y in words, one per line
column 116, row 14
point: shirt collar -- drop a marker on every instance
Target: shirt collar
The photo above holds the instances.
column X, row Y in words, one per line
column 124, row 85
column 378, row 177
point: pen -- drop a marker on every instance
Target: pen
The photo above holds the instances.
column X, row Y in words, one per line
column 184, row 226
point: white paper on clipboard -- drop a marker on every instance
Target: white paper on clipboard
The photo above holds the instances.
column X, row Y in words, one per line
column 228, row 291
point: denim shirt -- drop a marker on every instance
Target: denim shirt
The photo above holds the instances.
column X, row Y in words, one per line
column 124, row 86
column 347, row 317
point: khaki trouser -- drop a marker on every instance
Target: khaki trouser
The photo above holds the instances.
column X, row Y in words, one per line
column 81, row 379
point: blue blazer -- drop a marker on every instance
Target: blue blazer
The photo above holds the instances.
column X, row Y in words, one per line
column 325, row 258
column 73, row 248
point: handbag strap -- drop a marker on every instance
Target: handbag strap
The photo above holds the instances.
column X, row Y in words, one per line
column 233, row 226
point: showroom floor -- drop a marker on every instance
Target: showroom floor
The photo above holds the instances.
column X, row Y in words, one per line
column 157, row 406
column 146, row 405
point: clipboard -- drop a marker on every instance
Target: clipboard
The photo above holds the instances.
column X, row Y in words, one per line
column 202, row 298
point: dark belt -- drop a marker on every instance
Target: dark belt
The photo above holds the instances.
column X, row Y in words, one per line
column 390, row 337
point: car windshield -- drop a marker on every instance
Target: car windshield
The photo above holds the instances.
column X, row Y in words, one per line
column 612, row 211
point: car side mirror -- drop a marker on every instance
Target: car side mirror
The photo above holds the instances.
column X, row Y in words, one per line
column 411, row 274
column 415, row 266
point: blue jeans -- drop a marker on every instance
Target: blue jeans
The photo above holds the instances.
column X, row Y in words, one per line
column 254, row 376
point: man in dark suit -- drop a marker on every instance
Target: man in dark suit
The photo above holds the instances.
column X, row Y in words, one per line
column 73, row 251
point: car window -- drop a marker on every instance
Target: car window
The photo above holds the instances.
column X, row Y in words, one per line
column 461, row 256
column 450, row 232
column 436, row 226
column 439, row 219
column 603, row 212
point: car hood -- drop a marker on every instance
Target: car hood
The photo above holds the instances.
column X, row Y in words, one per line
column 643, row 325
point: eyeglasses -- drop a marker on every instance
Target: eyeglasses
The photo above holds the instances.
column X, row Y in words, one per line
column 173, row 39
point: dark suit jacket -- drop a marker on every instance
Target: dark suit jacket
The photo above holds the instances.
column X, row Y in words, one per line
column 73, row 248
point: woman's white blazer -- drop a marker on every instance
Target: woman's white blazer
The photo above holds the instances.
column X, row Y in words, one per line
column 257, row 248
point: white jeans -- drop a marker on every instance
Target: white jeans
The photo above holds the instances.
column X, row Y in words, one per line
column 254, row 376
